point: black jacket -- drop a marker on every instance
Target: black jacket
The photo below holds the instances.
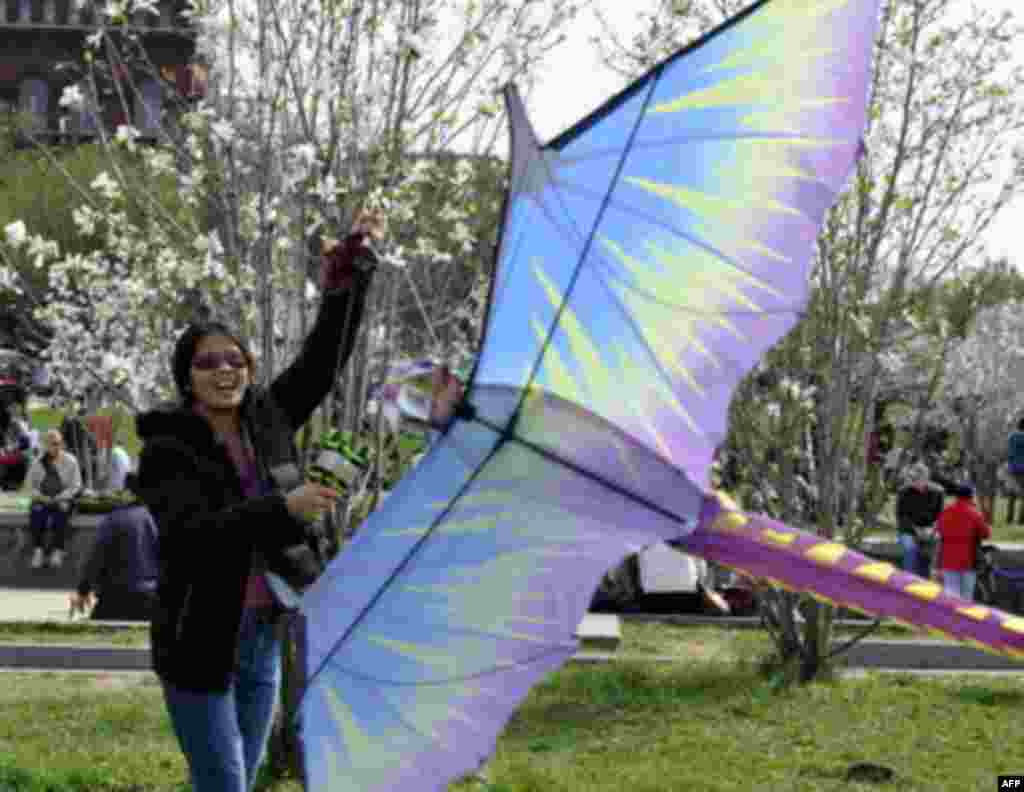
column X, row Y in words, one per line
column 124, row 555
column 916, row 509
column 209, row 533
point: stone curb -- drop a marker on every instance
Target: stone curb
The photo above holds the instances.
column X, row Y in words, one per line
column 875, row 655
column 61, row 657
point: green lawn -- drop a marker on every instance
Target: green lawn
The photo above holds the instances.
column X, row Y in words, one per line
column 708, row 723
column 73, row 633
column 44, row 418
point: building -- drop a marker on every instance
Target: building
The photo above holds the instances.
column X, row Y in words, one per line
column 41, row 48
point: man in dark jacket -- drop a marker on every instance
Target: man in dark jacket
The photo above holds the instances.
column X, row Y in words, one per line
column 918, row 506
column 122, row 566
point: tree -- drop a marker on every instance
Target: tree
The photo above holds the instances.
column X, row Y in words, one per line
column 981, row 393
column 313, row 110
column 942, row 161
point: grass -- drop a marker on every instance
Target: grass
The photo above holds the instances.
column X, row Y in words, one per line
column 73, row 633
column 707, row 723
column 45, row 418
column 659, row 729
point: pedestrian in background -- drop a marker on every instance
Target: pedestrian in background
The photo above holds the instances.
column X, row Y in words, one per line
column 961, row 528
column 1015, row 454
column 918, row 506
column 119, row 576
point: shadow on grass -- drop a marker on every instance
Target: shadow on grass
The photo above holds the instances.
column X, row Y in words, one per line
column 985, row 696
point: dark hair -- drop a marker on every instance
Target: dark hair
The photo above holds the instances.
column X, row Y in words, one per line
column 963, row 490
column 1020, row 425
column 185, row 350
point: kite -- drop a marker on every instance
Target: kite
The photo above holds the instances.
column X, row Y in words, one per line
column 647, row 259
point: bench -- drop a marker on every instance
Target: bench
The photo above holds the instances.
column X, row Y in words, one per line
column 600, row 632
column 16, row 553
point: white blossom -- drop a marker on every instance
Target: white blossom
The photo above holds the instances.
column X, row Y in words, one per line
column 106, row 186
column 72, row 97
column 223, row 130
column 16, row 233
column 126, row 136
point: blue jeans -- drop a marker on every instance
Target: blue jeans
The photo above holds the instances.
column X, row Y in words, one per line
column 911, row 557
column 224, row 735
column 959, row 583
column 41, row 517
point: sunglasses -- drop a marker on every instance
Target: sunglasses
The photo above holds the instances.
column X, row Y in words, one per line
column 210, row 361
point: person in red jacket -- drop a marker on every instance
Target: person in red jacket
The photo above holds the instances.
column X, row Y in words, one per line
column 961, row 528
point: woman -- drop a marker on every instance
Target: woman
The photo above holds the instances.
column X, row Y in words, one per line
column 961, row 529
column 54, row 480
column 219, row 473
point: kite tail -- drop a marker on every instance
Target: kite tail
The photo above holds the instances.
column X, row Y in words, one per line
column 833, row 573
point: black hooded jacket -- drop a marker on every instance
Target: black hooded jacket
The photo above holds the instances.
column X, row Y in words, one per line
column 209, row 533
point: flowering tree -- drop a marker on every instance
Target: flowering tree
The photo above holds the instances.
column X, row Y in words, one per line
column 942, row 161
column 981, row 393
column 313, row 109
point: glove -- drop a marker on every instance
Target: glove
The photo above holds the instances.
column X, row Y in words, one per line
column 342, row 262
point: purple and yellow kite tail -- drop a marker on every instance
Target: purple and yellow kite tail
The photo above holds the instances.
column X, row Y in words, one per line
column 832, row 572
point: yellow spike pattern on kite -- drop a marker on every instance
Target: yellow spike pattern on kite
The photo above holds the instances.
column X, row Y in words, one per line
column 880, row 572
column 977, row 613
column 778, row 537
column 669, row 332
column 1014, row 625
column 365, row 752
column 717, row 208
column 601, row 383
column 780, row 41
column 924, row 590
column 827, row 553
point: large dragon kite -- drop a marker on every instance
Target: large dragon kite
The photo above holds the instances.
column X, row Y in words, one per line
column 649, row 256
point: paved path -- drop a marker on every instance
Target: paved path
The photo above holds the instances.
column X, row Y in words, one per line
column 34, row 605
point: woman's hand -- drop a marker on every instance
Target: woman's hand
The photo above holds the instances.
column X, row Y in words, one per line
column 308, row 502
column 82, row 603
column 341, row 260
column 371, row 222
column 447, row 391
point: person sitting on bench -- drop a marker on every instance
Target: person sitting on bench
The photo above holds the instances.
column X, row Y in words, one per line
column 54, row 481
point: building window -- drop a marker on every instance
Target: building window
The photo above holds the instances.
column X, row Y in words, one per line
column 25, row 11
column 148, row 107
column 34, row 98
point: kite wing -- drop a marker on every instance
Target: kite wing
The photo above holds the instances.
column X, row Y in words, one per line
column 466, row 587
column 648, row 257
column 651, row 254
